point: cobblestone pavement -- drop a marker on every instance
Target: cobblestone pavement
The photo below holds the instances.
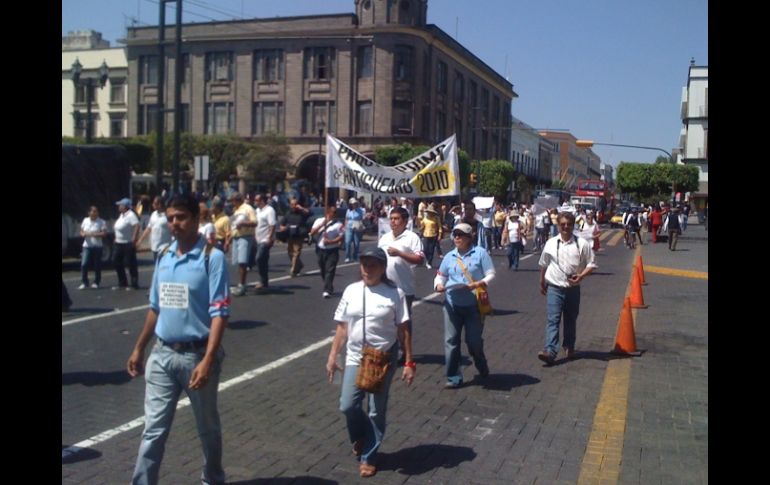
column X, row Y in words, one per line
column 526, row 424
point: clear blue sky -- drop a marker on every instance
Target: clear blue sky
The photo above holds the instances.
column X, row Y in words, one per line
column 607, row 70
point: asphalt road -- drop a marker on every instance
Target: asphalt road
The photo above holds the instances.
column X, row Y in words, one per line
column 98, row 396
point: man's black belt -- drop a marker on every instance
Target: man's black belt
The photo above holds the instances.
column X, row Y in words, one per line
column 185, row 346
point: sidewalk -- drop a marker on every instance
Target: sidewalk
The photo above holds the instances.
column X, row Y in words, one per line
column 666, row 433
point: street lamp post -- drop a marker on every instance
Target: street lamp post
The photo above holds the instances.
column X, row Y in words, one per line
column 88, row 83
column 321, row 125
column 590, row 143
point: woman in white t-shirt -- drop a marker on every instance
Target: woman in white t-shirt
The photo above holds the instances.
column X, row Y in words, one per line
column 205, row 226
column 372, row 312
column 92, row 229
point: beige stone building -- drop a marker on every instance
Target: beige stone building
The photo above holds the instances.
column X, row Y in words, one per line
column 378, row 76
column 572, row 163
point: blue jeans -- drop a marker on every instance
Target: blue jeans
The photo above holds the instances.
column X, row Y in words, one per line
column 513, row 251
column 370, row 429
column 167, row 375
column 352, row 243
column 91, row 255
column 561, row 300
column 455, row 317
column 263, row 257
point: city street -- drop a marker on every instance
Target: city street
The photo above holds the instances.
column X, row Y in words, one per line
column 527, row 423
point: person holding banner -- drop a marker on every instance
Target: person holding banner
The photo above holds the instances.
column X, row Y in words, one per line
column 463, row 270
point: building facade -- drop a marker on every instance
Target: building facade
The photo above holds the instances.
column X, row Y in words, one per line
column 525, row 151
column 693, row 138
column 108, row 104
column 381, row 76
column 572, row 162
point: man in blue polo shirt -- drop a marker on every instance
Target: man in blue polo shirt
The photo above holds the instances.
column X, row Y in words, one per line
column 189, row 307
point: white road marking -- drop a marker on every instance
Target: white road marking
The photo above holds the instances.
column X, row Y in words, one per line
column 135, row 423
column 118, row 311
column 246, row 376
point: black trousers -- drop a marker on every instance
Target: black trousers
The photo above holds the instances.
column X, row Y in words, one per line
column 125, row 255
column 327, row 264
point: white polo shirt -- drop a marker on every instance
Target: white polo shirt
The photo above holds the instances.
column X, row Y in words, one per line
column 399, row 270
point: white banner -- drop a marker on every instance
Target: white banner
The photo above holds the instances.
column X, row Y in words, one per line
column 434, row 173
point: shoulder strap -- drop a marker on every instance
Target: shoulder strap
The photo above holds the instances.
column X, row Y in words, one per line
column 363, row 285
column 462, row 266
column 162, row 252
column 207, row 253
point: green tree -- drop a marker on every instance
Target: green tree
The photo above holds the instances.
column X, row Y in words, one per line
column 496, row 176
column 634, row 178
column 225, row 153
column 395, row 154
column 268, row 159
column 653, row 182
column 686, row 178
column 140, row 153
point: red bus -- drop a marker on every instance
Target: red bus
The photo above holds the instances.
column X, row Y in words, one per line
column 597, row 190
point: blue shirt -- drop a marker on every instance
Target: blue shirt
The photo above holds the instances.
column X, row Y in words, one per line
column 354, row 215
column 476, row 261
column 185, row 297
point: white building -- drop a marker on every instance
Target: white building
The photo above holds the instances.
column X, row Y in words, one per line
column 108, row 105
column 525, row 149
column 693, row 138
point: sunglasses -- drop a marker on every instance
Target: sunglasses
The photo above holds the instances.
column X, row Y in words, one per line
column 460, row 234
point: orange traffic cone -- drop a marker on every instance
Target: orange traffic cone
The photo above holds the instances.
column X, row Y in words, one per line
column 640, row 267
column 625, row 341
column 637, row 299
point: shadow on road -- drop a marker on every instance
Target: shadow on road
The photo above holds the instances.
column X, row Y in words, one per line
column 245, row 324
column 90, row 310
column 95, row 378
column 593, row 355
column 424, row 458
column 305, row 480
column 497, row 312
column 79, row 454
column 506, row 382
column 437, row 359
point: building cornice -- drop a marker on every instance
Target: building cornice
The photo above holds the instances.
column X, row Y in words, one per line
column 433, row 36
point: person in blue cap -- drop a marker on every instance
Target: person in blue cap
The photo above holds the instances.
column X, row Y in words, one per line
column 126, row 236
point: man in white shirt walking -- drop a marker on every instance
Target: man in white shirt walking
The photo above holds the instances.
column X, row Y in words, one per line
column 404, row 250
column 265, row 236
column 566, row 260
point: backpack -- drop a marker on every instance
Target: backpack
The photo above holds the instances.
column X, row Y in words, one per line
column 206, row 252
